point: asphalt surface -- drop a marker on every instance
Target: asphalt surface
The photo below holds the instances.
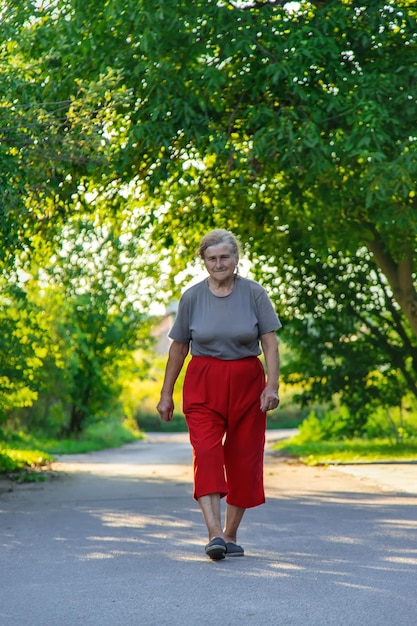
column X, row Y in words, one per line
column 114, row 538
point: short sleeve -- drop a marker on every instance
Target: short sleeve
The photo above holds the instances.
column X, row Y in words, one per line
column 180, row 330
column 268, row 320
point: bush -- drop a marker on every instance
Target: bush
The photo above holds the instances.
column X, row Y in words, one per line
column 97, row 436
column 396, row 423
column 322, row 425
column 15, row 460
column 6, row 463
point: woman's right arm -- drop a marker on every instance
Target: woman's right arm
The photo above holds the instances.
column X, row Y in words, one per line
column 176, row 357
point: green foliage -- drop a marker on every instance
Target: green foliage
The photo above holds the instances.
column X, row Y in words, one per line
column 23, row 454
column 77, row 328
column 7, row 464
column 239, row 109
column 397, row 424
column 110, row 433
column 16, row 460
column 24, row 347
column 288, row 415
column 347, row 335
column 348, row 451
column 322, row 425
column 151, row 422
column 127, row 130
column 142, row 396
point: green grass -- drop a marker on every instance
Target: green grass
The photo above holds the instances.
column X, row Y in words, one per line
column 13, row 460
column 348, row 451
column 23, row 452
column 109, row 434
column 22, row 455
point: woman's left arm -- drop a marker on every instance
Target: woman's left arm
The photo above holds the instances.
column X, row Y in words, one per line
column 269, row 396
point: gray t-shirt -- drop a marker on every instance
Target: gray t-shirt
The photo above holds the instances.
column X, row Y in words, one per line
column 226, row 327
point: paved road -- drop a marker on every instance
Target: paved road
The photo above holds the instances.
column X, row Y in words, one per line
column 116, row 540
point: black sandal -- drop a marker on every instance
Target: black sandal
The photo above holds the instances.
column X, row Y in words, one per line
column 232, row 549
column 216, row 549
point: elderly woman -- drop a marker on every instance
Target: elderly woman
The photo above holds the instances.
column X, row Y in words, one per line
column 225, row 320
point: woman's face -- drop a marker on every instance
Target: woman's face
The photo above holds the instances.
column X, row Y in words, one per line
column 220, row 261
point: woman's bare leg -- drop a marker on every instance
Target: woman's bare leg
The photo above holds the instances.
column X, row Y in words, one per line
column 234, row 516
column 210, row 508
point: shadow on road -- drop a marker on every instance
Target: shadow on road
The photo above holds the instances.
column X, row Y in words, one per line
column 122, row 544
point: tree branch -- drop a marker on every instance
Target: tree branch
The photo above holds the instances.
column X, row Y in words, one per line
column 400, row 277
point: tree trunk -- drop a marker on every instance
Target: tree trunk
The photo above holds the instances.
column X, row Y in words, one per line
column 79, row 413
column 400, row 277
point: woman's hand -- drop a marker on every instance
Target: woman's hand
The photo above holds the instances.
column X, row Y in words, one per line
column 269, row 396
column 165, row 408
column 176, row 355
column 269, row 399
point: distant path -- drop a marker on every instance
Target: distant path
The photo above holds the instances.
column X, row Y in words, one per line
column 115, row 539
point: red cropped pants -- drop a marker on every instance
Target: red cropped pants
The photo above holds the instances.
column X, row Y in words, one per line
column 221, row 401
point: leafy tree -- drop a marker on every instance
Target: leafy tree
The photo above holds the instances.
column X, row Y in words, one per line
column 101, row 322
column 279, row 120
column 35, row 359
column 72, row 327
column 247, row 115
column 55, row 156
column 23, row 348
column 240, row 107
column 348, row 337
column 53, row 141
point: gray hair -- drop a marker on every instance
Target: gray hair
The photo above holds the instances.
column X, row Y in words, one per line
column 215, row 237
